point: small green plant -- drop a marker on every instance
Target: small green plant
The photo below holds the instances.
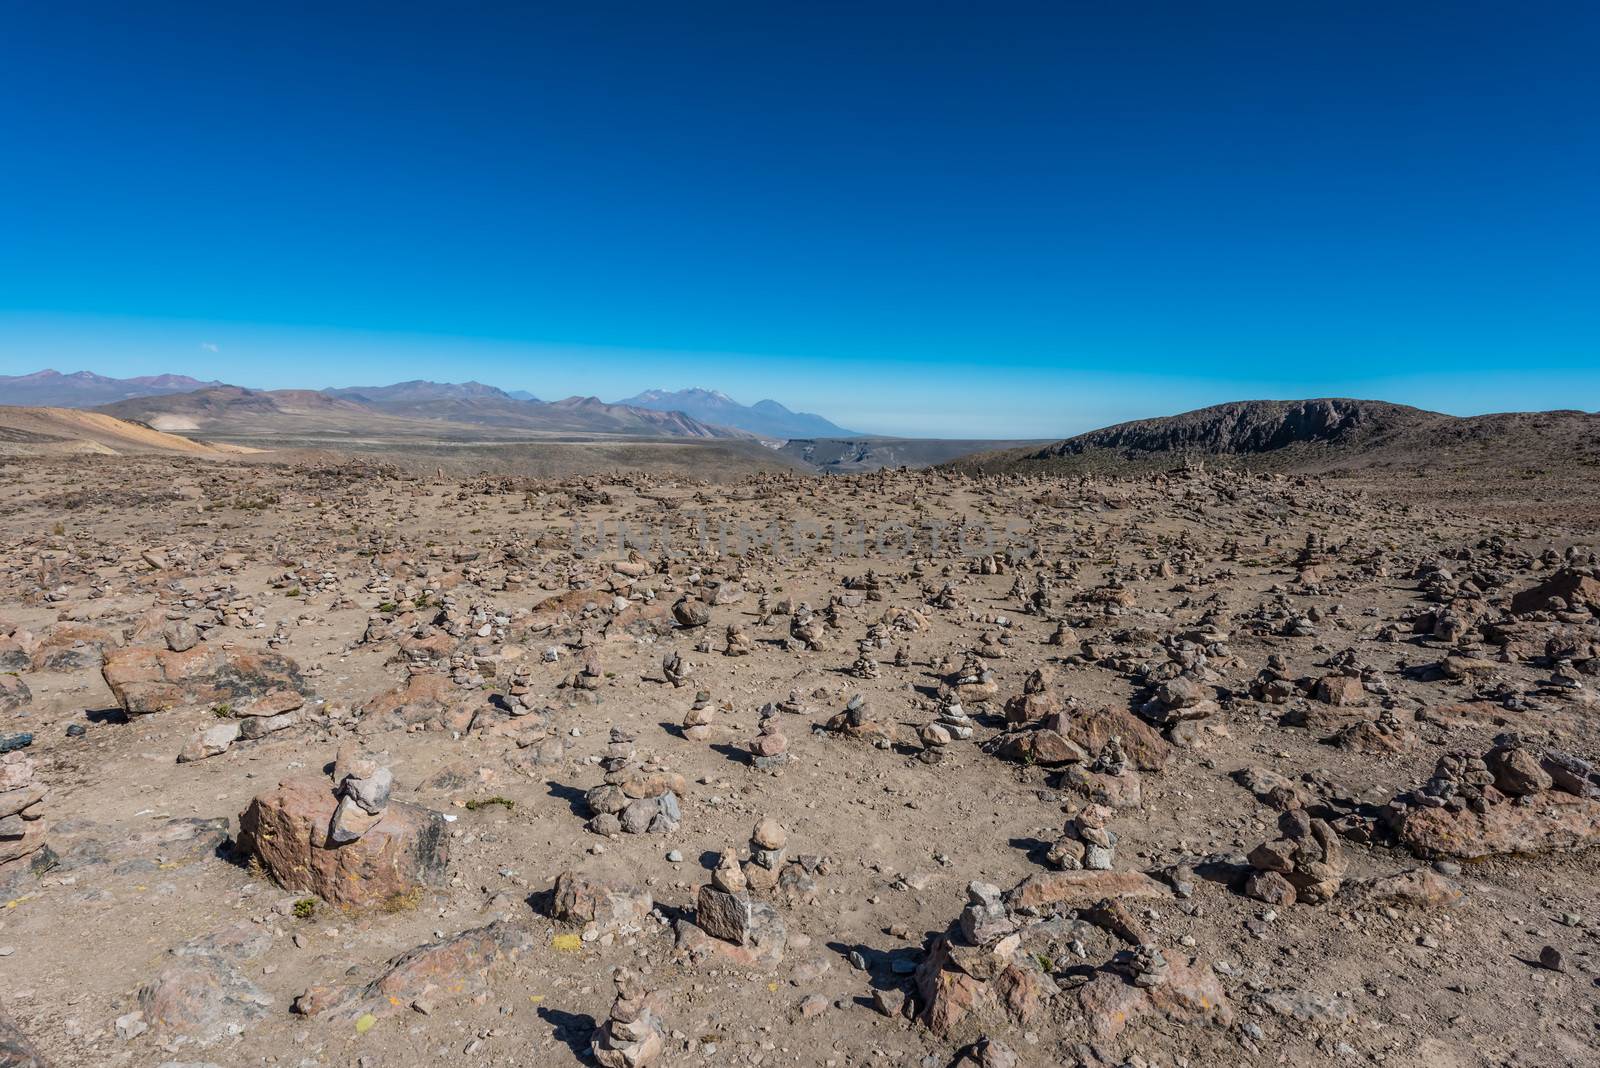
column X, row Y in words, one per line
column 388, row 608
column 222, row 711
column 475, row 805
column 292, row 591
column 304, row 908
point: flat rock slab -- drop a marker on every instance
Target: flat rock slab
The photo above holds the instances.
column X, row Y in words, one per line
column 287, row 830
column 453, row 967
column 1080, row 889
column 145, row 679
column 202, row 992
column 1553, row 820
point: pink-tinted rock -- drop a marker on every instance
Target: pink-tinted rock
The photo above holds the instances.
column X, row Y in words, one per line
column 145, row 679
column 1550, row 821
column 287, row 829
column 1080, row 889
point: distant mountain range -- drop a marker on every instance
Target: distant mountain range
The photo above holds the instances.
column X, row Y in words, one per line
column 85, row 389
column 467, row 411
column 767, row 418
column 182, row 403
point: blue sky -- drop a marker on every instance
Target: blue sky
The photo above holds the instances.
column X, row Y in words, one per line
column 951, row 219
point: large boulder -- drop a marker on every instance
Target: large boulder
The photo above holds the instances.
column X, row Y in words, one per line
column 71, row 647
column 1091, row 730
column 1562, row 589
column 145, row 679
column 288, row 831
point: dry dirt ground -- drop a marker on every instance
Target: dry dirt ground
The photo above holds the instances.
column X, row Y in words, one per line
column 367, row 578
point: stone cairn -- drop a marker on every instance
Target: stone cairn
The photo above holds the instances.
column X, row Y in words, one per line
column 1035, row 701
column 1306, row 864
column 698, row 723
column 22, row 827
column 766, row 855
column 1086, row 843
column 638, row 795
column 738, row 642
column 865, row 667
column 856, row 721
column 587, row 677
column 363, row 787
column 676, row 669
column 769, row 749
column 519, row 700
column 727, row 919
column 633, row 1035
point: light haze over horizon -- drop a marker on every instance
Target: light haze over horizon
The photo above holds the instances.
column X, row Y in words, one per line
column 923, row 220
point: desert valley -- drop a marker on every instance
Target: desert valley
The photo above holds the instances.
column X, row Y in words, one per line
column 1263, row 734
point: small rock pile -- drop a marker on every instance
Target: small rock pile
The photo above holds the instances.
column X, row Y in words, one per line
column 698, row 723
column 766, row 855
column 633, row 1035
column 951, row 724
column 738, row 642
column 1086, row 842
column 1306, row 864
column 519, row 699
column 727, row 920
column 22, row 827
column 1035, row 701
column 638, row 795
column 676, row 669
column 363, row 787
column 856, row 722
column 769, row 749
column 1514, row 799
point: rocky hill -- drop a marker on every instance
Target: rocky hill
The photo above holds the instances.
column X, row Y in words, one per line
column 1325, row 434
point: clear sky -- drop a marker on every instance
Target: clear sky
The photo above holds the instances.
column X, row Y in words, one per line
column 969, row 219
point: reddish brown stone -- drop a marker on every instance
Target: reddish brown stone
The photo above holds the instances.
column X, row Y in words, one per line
column 1143, row 744
column 1192, row 994
column 145, row 679
column 581, row 898
column 453, row 967
column 424, row 699
column 1109, row 1004
column 1043, row 747
column 1420, row 888
column 287, row 830
column 72, row 647
column 1563, row 586
column 1079, row 889
column 1551, row 821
